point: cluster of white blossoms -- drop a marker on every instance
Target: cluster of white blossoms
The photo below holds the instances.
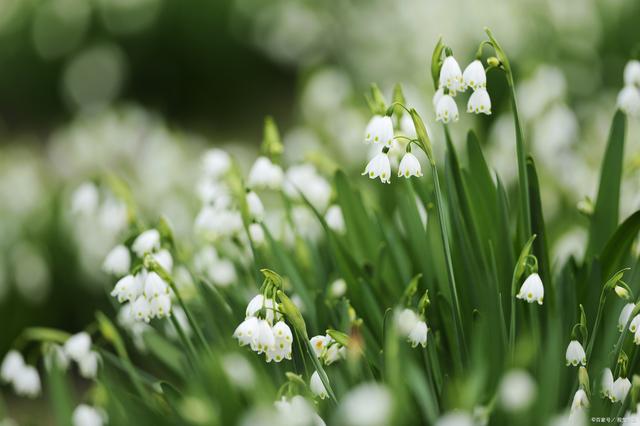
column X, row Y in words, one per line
column 380, row 130
column 78, row 348
column 145, row 294
column 575, row 354
column 629, row 97
column 532, row 289
column 453, row 81
column 634, row 325
column 412, row 327
column 23, row 377
column 264, row 330
column 327, row 349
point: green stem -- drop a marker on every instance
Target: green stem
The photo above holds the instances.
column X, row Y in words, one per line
column 457, row 317
column 523, row 178
column 193, row 356
column 596, row 325
column 512, row 322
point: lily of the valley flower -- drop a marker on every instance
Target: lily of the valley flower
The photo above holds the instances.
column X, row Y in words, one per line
column 575, row 354
column 607, row 383
column 532, row 289
column 283, row 342
column 451, row 76
column 479, row 102
column 437, row 96
column 78, row 348
column 409, row 166
column 257, row 234
column 635, row 324
column 256, row 209
column 580, row 400
column 216, row 162
column 335, row 219
column 629, row 100
column 625, row 313
column 632, row 73
column 379, row 130
column 620, row 389
column 27, row 382
column 379, row 166
column 474, row 75
column 327, row 349
column 446, row 109
column 118, row 261
column 317, row 387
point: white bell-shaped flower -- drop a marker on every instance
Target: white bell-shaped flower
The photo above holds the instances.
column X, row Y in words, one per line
column 141, row 309
column 629, row 100
column 625, row 313
column 479, row 102
column 264, row 339
column 635, row 324
column 436, row 97
column 334, row 352
column 319, row 343
column 265, row 174
column 27, row 382
column 474, row 75
column 317, row 387
column 406, row 321
column 632, row 73
column 379, row 130
column 215, row 163
column 256, row 209
column 126, row 289
column 247, row 331
column 575, row 354
column 447, row 110
column 257, row 234
column 379, row 166
column 532, row 289
column 11, row 365
column 88, row 365
column 580, row 400
column 418, row 335
column 118, row 261
column 255, row 305
column 154, row 286
column 160, row 306
column 146, row 242
column 335, row 219
column 78, row 346
column 636, row 337
column 283, row 342
column 164, row 259
column 409, row 166
column 85, row 415
column 620, row 389
column 408, row 127
column 606, row 386
column 451, row 76
column 85, row 199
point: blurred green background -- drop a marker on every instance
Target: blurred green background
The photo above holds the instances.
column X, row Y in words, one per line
column 140, row 87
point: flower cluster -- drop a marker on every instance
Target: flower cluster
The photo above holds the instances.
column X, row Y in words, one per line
column 616, row 390
column 327, row 349
column 23, row 377
column 145, row 294
column 629, row 97
column 412, row 327
column 452, row 81
column 264, row 330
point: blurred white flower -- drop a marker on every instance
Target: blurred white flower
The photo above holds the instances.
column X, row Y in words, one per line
column 418, row 334
column 265, row 174
column 379, row 166
column 451, row 76
column 409, row 166
column 407, row 127
column 317, row 387
column 26, row 382
column 479, row 102
column 88, row 365
column 257, row 234
column 85, row 415
column 632, row 73
column 85, row 199
column 532, row 289
column 215, row 163
column 455, row 418
column 406, row 321
column 446, row 109
column 238, row 370
column 11, row 366
column 141, row 309
column 335, row 219
column 297, row 412
column 517, row 390
column 118, row 261
column 338, row 288
column 575, row 354
column 222, row 273
column 474, row 75
column 368, row 404
column 164, row 259
column 78, row 346
column 256, row 209
column 146, row 242
column 436, row 97
column 629, row 100
column 580, row 400
column 304, row 179
column 379, row 130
